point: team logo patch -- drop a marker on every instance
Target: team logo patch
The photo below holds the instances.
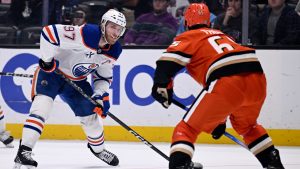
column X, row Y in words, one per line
column 84, row 69
column 44, row 82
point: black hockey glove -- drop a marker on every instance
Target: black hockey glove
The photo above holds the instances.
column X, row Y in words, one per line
column 163, row 93
column 48, row 66
column 162, row 90
column 219, row 131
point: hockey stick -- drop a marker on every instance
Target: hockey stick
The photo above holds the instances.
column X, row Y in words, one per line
column 97, row 104
column 15, row 74
column 228, row 135
column 142, row 139
column 116, row 119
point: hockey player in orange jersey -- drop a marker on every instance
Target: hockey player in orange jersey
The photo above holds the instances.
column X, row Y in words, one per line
column 234, row 86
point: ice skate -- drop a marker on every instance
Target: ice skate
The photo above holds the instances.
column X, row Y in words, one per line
column 24, row 158
column 275, row 162
column 106, row 156
column 7, row 139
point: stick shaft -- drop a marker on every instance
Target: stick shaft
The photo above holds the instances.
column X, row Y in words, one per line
column 142, row 139
column 16, row 74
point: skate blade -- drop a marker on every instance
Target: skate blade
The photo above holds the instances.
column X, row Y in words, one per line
column 10, row 145
column 198, row 165
column 18, row 166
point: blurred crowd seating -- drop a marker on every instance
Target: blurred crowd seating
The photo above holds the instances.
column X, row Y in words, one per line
column 26, row 36
column 61, row 11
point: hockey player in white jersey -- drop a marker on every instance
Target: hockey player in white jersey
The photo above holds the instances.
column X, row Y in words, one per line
column 5, row 136
column 76, row 52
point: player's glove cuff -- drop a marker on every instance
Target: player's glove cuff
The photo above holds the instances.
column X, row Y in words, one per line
column 163, row 93
column 48, row 66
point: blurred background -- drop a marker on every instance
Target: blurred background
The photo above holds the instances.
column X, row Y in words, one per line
column 258, row 23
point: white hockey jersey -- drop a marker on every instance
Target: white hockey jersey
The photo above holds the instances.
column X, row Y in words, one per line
column 78, row 53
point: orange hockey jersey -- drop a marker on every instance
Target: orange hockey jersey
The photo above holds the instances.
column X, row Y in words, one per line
column 209, row 54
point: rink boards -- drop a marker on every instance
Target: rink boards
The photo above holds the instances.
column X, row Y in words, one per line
column 132, row 103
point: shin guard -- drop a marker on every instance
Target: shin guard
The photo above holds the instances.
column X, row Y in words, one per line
column 93, row 128
column 34, row 125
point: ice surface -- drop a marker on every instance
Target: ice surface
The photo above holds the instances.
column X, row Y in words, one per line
column 74, row 154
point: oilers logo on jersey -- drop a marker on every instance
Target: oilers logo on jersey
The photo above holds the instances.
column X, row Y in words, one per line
column 83, row 69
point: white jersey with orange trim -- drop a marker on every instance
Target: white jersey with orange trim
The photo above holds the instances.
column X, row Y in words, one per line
column 78, row 53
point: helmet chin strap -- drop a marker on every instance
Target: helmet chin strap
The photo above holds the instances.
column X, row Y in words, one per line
column 104, row 37
column 103, row 32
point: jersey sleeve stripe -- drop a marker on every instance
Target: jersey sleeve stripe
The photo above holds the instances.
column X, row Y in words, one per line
column 56, row 34
column 101, row 77
column 97, row 77
column 175, row 56
column 180, row 53
column 45, row 37
column 96, row 80
column 51, row 36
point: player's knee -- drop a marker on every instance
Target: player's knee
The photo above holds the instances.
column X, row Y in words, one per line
column 183, row 132
column 91, row 121
column 41, row 106
column 92, row 125
column 181, row 154
column 93, row 128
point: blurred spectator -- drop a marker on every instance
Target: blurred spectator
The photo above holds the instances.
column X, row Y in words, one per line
column 62, row 11
column 230, row 21
column 176, row 7
column 155, row 28
column 4, row 7
column 27, row 13
column 214, row 6
column 79, row 17
column 297, row 9
column 97, row 9
column 258, row 6
column 24, row 13
column 278, row 25
column 5, row 1
column 140, row 7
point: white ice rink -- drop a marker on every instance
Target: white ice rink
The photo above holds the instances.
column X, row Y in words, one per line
column 75, row 155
